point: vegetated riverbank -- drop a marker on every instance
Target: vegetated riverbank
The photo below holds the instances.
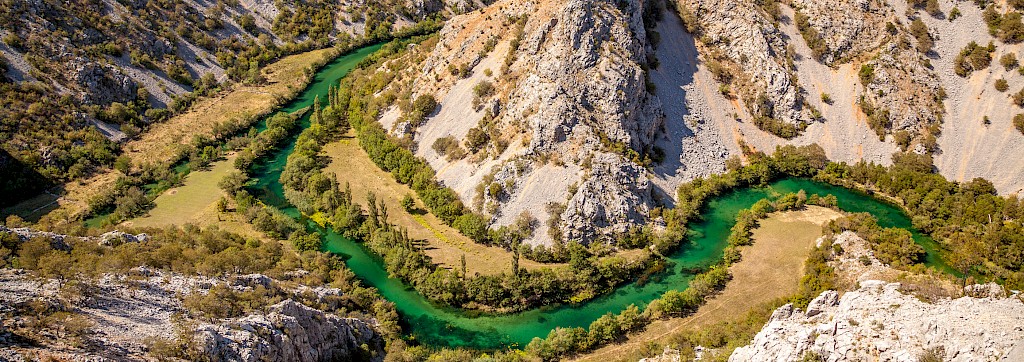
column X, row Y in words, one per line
column 167, row 142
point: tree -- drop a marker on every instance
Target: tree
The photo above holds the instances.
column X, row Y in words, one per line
column 233, row 181
column 303, row 241
column 408, row 204
column 424, row 104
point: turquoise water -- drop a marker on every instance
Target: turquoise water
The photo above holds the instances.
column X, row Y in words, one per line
column 442, row 326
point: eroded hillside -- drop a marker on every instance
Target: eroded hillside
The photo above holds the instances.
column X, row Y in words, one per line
column 584, row 117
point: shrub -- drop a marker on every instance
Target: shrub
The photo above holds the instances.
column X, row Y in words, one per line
column 973, row 57
column 481, row 91
column 247, row 22
column 1018, row 122
column 449, row 148
column 476, row 139
column 866, row 74
column 1002, row 85
column 1009, row 61
column 920, row 32
column 954, row 13
column 826, row 98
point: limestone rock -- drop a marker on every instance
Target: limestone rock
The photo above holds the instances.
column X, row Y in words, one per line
column 744, row 34
column 574, row 89
column 616, row 196
column 878, row 322
column 290, row 331
column 847, row 28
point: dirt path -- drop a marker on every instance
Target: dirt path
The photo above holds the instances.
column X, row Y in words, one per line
column 770, row 269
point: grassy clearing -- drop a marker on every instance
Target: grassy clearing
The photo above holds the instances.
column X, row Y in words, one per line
column 161, row 142
column 187, row 203
column 771, row 268
column 445, row 245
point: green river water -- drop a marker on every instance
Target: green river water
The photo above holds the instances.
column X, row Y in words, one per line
column 442, row 326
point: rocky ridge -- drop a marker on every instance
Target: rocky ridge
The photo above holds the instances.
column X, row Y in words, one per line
column 742, row 36
column 890, row 321
column 290, row 331
column 128, row 311
column 877, row 321
column 572, row 90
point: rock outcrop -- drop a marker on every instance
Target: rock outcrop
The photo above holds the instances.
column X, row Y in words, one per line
column 742, row 37
column 569, row 87
column 125, row 313
column 878, row 322
column 846, row 28
column 290, row 331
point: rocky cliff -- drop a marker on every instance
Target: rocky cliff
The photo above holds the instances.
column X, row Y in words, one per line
column 566, row 117
column 586, row 115
column 877, row 321
column 922, row 317
column 138, row 315
column 290, row 331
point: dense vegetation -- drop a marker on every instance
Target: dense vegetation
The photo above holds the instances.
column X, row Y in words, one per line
column 980, row 230
column 892, row 246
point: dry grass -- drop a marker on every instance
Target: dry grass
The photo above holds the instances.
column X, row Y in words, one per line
column 188, row 203
column 770, row 269
column 446, row 246
column 161, row 141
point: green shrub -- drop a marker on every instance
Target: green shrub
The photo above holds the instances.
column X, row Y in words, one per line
column 1001, row 85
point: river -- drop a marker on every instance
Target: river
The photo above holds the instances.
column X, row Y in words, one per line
column 449, row 327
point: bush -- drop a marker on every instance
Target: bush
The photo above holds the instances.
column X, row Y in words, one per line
column 1018, row 122
column 481, row 91
column 448, row 147
column 476, row 139
column 424, row 104
column 1009, row 61
column 866, row 74
column 826, row 98
column 920, row 32
column 408, row 204
column 248, row 23
column 972, row 58
column 1001, row 85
